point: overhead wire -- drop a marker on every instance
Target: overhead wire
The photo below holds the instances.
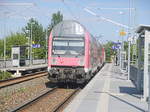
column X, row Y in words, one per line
column 10, row 12
column 82, row 8
column 69, row 10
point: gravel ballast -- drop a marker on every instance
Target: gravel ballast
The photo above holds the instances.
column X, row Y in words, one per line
column 49, row 102
column 13, row 96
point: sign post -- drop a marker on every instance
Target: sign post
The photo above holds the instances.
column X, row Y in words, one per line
column 129, row 47
column 122, row 33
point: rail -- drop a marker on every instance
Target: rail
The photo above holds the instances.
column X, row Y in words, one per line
column 13, row 81
column 61, row 105
column 29, row 103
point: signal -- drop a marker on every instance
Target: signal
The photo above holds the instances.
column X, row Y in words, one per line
column 122, row 33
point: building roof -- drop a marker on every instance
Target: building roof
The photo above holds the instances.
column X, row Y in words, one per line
column 142, row 28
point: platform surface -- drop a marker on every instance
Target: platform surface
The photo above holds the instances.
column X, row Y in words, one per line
column 108, row 91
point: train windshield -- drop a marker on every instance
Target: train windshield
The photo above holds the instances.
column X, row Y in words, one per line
column 68, row 47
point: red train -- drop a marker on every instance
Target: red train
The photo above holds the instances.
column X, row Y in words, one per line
column 73, row 54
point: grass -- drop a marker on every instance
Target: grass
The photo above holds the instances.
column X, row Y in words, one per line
column 5, row 75
column 21, row 90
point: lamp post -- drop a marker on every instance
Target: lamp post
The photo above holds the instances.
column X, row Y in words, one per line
column 6, row 14
column 4, row 52
column 129, row 38
column 31, row 61
column 129, row 47
column 28, row 37
column 5, row 33
column 46, row 45
column 28, row 45
column 122, row 34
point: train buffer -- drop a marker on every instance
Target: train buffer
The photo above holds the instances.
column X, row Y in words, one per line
column 108, row 91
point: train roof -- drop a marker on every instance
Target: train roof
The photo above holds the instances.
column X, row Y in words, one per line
column 69, row 28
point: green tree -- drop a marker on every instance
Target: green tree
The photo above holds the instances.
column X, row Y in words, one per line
column 38, row 32
column 133, row 51
column 12, row 40
column 1, row 48
column 109, row 51
column 38, row 37
column 56, row 18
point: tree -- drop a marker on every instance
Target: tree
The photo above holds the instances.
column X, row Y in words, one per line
column 12, row 40
column 1, row 48
column 38, row 36
column 109, row 51
column 56, row 18
column 38, row 33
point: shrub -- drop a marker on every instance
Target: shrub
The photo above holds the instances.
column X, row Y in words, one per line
column 5, row 75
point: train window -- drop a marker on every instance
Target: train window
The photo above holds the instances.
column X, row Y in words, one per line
column 67, row 38
column 68, row 47
column 59, row 52
column 60, row 43
column 76, row 43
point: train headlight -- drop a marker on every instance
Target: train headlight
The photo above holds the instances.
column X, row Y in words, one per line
column 81, row 61
column 48, row 69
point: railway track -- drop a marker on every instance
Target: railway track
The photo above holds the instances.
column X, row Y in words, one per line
column 13, row 81
column 51, row 101
column 66, row 100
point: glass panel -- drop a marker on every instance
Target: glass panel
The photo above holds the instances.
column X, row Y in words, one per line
column 60, row 43
column 59, row 51
column 76, row 43
column 68, row 38
column 148, row 68
column 15, row 56
column 148, row 48
column 68, row 47
column 149, row 59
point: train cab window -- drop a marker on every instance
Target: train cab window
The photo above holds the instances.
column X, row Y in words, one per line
column 76, row 43
column 60, row 43
column 68, row 46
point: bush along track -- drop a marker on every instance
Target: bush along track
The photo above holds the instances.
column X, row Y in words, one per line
column 5, row 75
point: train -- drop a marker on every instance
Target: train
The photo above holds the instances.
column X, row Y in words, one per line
column 74, row 55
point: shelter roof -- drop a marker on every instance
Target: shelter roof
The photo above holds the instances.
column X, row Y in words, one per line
column 141, row 28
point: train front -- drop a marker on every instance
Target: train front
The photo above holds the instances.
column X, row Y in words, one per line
column 66, row 53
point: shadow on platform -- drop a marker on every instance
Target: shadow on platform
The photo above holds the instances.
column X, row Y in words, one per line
column 131, row 91
column 127, row 102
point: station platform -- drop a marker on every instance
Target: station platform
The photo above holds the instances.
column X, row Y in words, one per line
column 19, row 70
column 108, row 91
column 24, row 68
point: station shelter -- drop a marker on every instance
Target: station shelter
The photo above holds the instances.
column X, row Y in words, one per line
column 143, row 61
column 19, row 56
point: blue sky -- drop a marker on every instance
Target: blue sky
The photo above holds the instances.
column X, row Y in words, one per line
column 13, row 18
